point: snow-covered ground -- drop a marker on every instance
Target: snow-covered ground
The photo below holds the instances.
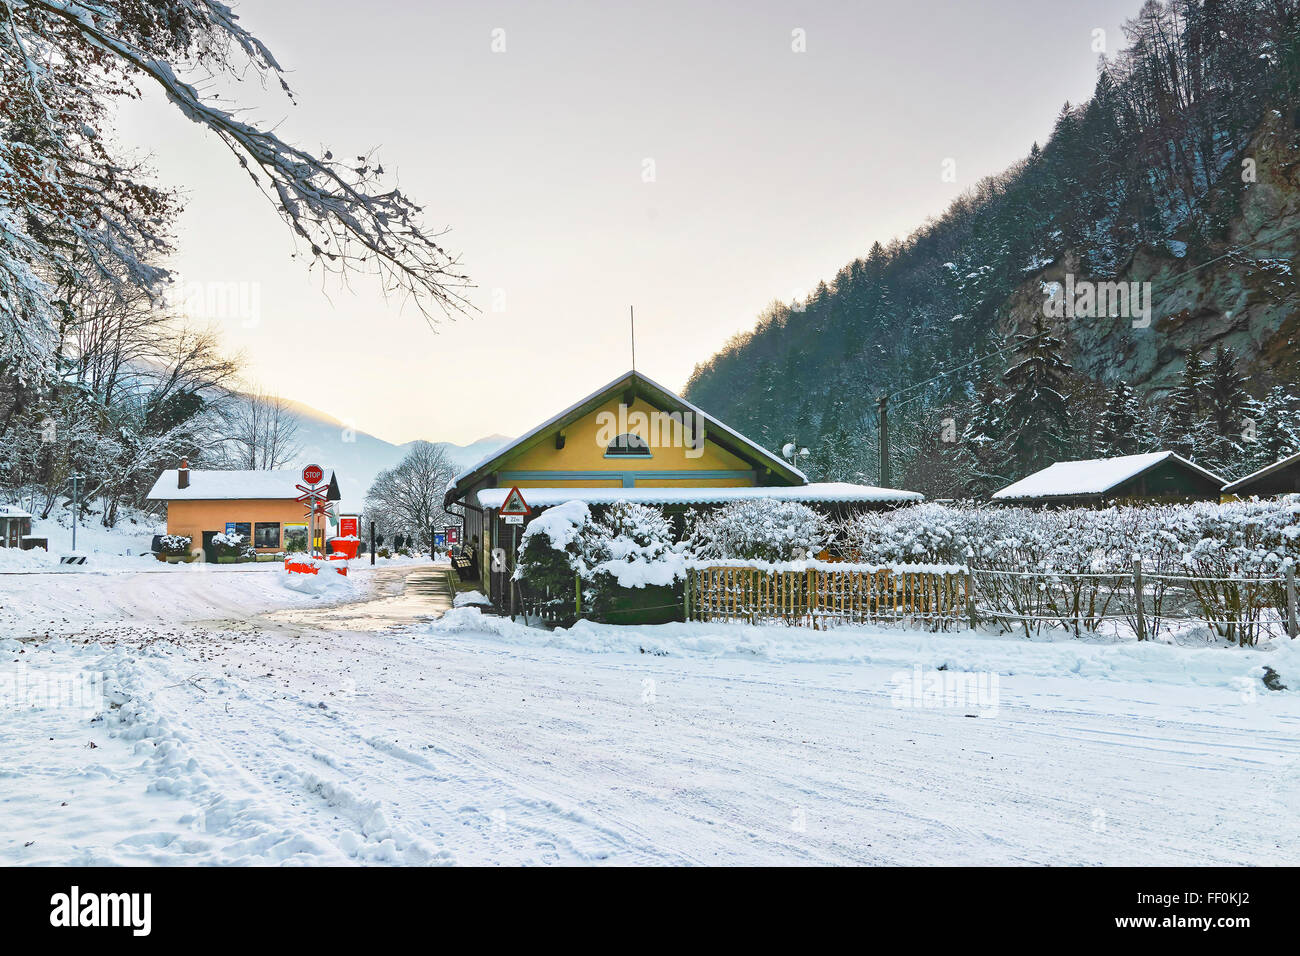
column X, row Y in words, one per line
column 309, row 736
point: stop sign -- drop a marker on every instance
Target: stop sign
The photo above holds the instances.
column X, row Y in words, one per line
column 313, row 474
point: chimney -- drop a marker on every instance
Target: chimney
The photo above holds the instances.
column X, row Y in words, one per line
column 183, row 474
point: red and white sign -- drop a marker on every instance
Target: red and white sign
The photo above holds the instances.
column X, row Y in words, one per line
column 313, row 474
column 311, row 494
column 453, row 534
column 348, row 527
column 514, row 505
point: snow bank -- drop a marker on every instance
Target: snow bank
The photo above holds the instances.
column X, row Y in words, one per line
column 470, row 598
column 1239, row 669
column 330, row 577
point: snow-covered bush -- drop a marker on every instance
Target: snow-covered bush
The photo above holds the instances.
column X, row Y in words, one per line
column 632, row 567
column 174, row 545
column 630, row 542
column 1028, row 562
column 551, row 557
column 227, row 545
column 626, row 549
column 761, row 529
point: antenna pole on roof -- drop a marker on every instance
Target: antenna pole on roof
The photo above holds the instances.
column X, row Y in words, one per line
column 631, row 314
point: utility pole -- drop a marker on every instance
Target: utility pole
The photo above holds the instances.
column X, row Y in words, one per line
column 372, row 540
column 76, row 507
column 883, row 403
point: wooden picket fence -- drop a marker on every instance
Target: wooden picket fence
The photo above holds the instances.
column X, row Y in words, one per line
column 820, row 598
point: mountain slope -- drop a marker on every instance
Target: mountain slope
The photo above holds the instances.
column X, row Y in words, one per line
column 1180, row 171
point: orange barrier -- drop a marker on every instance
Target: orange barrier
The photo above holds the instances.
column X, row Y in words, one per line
column 346, row 546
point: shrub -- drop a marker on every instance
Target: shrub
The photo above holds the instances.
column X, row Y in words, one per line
column 632, row 570
column 551, row 558
column 1046, row 548
column 760, row 530
column 227, row 545
column 623, row 561
column 174, row 545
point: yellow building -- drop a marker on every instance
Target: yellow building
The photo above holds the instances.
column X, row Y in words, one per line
column 260, row 506
column 632, row 440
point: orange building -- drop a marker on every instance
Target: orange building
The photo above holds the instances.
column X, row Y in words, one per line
column 260, row 506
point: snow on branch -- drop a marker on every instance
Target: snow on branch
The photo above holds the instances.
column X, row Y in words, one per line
column 349, row 221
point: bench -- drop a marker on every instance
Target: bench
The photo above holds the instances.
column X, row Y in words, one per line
column 463, row 565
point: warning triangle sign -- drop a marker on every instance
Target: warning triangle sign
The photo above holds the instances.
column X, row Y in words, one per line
column 515, row 504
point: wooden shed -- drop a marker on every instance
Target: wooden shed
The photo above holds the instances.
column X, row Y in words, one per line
column 1157, row 477
column 1280, row 478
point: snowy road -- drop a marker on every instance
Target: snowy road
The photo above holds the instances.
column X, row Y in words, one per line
column 281, row 740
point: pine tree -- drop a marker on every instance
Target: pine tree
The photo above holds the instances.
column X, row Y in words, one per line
column 1037, row 416
column 1276, row 426
column 981, row 452
column 1228, row 396
column 1189, row 413
column 1121, row 424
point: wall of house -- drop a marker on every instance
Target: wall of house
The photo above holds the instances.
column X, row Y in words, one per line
column 192, row 518
column 1170, row 479
column 582, row 462
column 1284, row 481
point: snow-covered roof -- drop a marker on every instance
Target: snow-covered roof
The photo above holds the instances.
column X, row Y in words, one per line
column 1094, row 476
column 555, row 420
column 219, row 485
column 830, row 491
column 12, row 511
column 1267, row 470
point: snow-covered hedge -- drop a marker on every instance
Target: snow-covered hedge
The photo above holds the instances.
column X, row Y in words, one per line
column 629, row 547
column 1203, row 538
column 1031, row 558
column 760, row 530
column 176, row 545
column 227, row 545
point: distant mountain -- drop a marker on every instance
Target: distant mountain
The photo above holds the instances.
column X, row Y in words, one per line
column 357, row 456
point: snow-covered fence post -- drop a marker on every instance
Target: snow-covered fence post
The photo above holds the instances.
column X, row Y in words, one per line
column 1291, row 626
column 1138, row 600
column 970, row 599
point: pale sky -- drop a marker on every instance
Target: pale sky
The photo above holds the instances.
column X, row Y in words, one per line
column 772, row 169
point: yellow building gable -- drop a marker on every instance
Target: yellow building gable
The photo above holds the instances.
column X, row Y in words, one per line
column 673, row 454
column 632, row 433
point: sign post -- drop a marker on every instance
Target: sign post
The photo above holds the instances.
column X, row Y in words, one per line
column 513, row 511
column 76, row 508
column 312, row 495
